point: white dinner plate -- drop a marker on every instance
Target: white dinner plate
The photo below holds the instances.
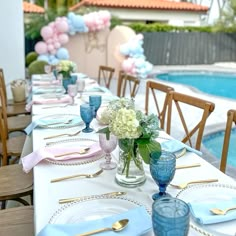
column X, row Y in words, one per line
column 57, row 121
column 92, row 208
column 210, row 193
column 80, row 143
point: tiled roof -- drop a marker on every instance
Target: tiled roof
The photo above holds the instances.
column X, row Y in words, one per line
column 144, row 4
column 32, row 8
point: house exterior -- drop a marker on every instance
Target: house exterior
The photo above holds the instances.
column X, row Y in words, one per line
column 32, row 8
column 150, row 11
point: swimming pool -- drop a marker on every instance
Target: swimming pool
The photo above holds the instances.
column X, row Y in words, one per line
column 214, row 144
column 215, row 83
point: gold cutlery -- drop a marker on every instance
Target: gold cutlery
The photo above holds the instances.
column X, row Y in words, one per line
column 184, row 185
column 81, row 152
column 66, row 200
column 77, row 176
column 62, row 122
column 188, row 166
column 116, row 226
column 56, row 106
column 218, row 211
column 59, row 135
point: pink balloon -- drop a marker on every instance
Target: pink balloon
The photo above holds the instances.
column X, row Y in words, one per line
column 41, row 47
column 49, row 41
column 57, row 45
column 62, row 26
column 50, row 47
column 63, row 38
column 53, row 51
column 46, row 32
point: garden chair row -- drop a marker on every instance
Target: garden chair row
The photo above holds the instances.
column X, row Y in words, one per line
column 173, row 100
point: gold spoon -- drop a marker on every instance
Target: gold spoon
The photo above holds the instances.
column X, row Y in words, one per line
column 77, row 176
column 218, row 211
column 184, row 185
column 117, row 226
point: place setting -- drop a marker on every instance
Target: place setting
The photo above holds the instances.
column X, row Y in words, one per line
column 58, row 121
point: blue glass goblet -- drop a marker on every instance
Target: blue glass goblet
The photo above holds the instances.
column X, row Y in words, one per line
column 162, row 170
column 86, row 113
column 170, row 216
column 95, row 100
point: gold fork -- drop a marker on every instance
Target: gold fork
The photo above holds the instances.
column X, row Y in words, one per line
column 56, row 106
column 64, row 123
column 81, row 151
column 59, row 135
column 66, row 200
column 184, row 185
column 77, row 176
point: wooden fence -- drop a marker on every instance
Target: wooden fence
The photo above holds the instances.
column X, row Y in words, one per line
column 189, row 48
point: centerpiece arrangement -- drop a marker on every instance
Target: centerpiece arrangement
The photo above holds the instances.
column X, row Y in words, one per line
column 65, row 68
column 136, row 133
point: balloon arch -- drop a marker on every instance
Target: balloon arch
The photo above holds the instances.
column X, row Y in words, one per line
column 56, row 34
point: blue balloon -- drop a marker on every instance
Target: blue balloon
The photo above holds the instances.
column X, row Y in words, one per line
column 62, row 54
column 43, row 57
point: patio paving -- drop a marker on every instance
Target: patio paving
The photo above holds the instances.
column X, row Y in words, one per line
column 216, row 121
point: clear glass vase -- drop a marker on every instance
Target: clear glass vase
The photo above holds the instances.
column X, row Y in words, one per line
column 130, row 172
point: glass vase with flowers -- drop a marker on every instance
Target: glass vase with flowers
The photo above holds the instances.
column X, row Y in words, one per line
column 136, row 133
column 65, row 68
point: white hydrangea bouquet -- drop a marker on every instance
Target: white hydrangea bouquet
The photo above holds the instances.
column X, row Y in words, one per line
column 135, row 131
column 66, row 67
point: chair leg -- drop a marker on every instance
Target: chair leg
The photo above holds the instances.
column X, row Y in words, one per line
column 3, row 206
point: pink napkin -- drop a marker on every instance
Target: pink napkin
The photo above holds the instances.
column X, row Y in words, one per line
column 49, row 82
column 64, row 99
column 35, row 157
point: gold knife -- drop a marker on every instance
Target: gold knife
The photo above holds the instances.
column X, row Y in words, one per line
column 188, row 166
column 67, row 200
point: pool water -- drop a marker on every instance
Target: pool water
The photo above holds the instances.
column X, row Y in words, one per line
column 214, row 144
column 218, row 84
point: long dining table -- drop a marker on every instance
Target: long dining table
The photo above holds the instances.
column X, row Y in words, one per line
column 47, row 208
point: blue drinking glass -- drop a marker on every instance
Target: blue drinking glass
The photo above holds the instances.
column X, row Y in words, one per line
column 170, row 216
column 86, row 113
column 95, row 100
column 162, row 170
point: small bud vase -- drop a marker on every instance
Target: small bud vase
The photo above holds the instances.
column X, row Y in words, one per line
column 130, row 172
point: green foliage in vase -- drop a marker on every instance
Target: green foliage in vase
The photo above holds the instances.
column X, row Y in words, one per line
column 127, row 123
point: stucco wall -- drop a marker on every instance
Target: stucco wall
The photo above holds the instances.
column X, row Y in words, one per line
column 12, row 41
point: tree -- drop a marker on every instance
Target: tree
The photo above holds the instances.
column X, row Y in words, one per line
column 227, row 19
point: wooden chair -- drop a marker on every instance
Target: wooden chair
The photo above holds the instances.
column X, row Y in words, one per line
column 231, row 120
column 154, row 93
column 10, row 146
column 105, row 75
column 193, row 127
column 17, row 221
column 14, row 123
column 15, row 184
column 127, row 84
column 13, row 109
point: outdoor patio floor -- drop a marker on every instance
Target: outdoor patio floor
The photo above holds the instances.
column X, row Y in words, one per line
column 216, row 121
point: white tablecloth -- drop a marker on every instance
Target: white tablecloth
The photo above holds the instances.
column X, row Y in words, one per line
column 46, row 194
